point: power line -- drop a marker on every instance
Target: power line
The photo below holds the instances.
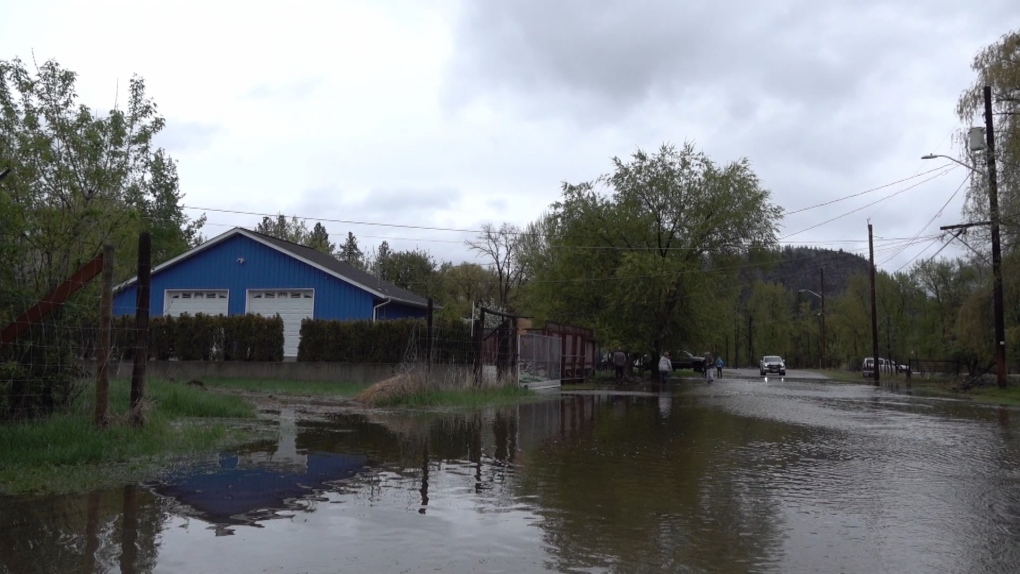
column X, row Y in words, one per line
column 867, row 191
column 933, row 218
column 904, row 190
column 477, row 231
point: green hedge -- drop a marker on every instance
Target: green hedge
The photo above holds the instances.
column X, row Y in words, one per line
column 390, row 341
column 205, row 338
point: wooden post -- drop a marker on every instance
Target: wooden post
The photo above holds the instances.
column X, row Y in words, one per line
column 103, row 352
column 129, row 530
column 92, row 526
column 874, row 308
column 141, row 327
column 479, row 347
column 428, row 337
column 513, row 342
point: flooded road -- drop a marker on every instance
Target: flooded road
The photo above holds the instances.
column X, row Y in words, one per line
column 739, row 476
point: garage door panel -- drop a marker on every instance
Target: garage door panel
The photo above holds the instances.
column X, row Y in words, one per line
column 293, row 306
column 177, row 302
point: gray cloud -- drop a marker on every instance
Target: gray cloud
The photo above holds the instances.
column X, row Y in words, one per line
column 826, row 99
column 618, row 53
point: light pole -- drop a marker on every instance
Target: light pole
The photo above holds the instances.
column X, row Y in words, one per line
column 953, row 159
column 993, row 212
column 822, row 315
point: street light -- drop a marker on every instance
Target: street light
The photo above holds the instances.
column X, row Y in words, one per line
column 993, row 212
column 822, row 315
column 952, row 159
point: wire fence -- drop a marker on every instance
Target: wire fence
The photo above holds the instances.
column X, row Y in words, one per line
column 43, row 359
column 539, row 359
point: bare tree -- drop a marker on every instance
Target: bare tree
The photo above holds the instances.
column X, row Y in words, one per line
column 502, row 247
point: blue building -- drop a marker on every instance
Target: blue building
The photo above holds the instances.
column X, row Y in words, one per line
column 242, row 271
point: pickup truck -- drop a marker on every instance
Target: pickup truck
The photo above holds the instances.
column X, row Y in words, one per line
column 685, row 360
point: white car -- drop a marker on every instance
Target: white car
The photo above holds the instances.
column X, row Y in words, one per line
column 772, row 364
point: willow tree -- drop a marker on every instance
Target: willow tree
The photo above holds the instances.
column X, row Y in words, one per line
column 641, row 253
column 997, row 66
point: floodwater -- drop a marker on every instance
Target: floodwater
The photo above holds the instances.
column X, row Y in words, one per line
column 739, row 476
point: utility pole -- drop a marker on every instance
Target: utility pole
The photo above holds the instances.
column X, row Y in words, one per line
column 736, row 341
column 993, row 207
column 750, row 348
column 821, row 279
column 874, row 309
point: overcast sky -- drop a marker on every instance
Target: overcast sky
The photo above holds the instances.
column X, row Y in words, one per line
column 451, row 114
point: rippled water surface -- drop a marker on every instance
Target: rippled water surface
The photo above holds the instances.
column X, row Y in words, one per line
column 742, row 476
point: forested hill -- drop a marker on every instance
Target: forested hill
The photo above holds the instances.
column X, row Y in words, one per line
column 798, row 268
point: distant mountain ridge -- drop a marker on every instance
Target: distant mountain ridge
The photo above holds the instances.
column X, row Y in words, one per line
column 797, row 268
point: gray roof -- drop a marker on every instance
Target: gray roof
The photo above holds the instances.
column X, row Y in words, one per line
column 355, row 275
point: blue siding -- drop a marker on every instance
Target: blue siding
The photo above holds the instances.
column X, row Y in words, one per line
column 264, row 268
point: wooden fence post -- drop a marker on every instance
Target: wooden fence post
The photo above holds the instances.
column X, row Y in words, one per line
column 141, row 328
column 103, row 352
column 428, row 337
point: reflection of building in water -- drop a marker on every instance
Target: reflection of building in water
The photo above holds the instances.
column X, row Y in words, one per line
column 286, row 455
column 246, row 488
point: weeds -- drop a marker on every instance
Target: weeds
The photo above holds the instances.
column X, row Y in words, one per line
column 66, row 451
column 416, row 386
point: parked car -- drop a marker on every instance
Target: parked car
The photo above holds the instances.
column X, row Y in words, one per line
column 884, row 366
column 685, row 360
column 772, row 364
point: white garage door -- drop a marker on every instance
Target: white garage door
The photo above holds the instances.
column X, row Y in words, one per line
column 178, row 302
column 293, row 305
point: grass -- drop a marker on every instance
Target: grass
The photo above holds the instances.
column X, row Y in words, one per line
column 68, row 453
column 990, row 394
column 324, row 388
column 1008, row 396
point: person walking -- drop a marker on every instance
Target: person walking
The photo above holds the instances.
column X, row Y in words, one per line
column 619, row 364
column 718, row 367
column 665, row 367
column 709, row 371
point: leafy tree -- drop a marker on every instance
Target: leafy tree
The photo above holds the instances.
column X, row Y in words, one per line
column 945, row 285
column 413, row 270
column 773, row 327
column 378, row 258
column 641, row 253
column 351, row 253
column 464, row 286
column 294, row 230
column 849, row 322
column 318, row 240
column 80, row 179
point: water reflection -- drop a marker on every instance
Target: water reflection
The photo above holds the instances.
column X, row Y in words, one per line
column 730, row 478
column 110, row 531
column 257, row 483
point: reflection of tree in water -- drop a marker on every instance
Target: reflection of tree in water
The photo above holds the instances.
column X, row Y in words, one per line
column 630, row 489
column 413, row 445
column 114, row 530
